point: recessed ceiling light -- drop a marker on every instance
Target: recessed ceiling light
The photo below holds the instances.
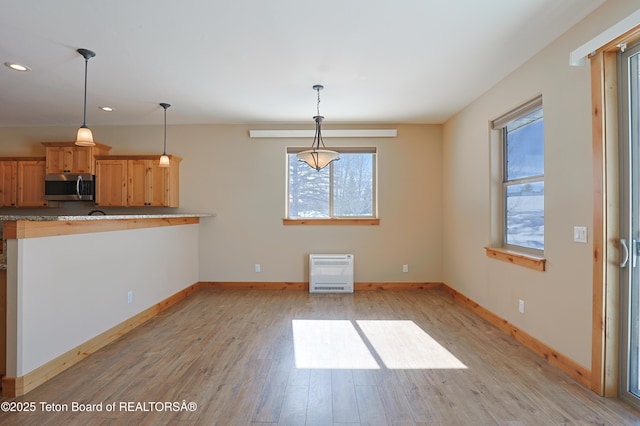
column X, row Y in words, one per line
column 17, row 67
column 106, row 108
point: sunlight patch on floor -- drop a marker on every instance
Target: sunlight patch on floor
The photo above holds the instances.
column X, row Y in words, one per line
column 331, row 344
column 403, row 345
column 342, row 344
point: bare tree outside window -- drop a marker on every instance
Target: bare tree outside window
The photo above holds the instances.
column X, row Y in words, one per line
column 345, row 188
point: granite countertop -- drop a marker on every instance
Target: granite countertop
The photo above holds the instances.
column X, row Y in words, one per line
column 41, row 218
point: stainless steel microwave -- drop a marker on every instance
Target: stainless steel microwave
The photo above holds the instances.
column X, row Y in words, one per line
column 70, row 187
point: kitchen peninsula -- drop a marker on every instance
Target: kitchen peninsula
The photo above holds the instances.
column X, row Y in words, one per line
column 76, row 283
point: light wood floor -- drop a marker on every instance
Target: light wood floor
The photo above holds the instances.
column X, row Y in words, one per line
column 232, row 353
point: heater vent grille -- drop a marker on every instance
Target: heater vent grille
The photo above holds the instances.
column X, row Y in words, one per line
column 331, row 273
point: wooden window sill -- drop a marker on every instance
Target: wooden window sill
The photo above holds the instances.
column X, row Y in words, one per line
column 359, row 221
column 526, row 260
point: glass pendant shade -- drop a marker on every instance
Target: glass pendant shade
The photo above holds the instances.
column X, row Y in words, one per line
column 164, row 161
column 85, row 137
column 318, row 158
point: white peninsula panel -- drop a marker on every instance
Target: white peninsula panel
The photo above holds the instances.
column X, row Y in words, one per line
column 64, row 290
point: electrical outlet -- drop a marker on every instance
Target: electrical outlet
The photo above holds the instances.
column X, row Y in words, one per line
column 521, row 306
column 257, row 267
column 405, row 268
column 130, row 297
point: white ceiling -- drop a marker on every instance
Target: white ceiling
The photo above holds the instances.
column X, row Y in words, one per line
column 255, row 61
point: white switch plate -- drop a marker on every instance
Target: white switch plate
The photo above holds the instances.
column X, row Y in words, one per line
column 130, row 297
column 580, row 234
column 521, row 306
column 405, row 268
column 257, row 267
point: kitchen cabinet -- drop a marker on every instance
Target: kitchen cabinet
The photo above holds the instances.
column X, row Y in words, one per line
column 152, row 185
column 8, row 183
column 22, row 182
column 111, row 184
column 139, row 178
column 30, row 192
column 66, row 157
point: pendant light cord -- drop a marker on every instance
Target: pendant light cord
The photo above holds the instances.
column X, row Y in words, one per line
column 165, row 106
column 318, row 119
column 164, row 151
column 84, row 118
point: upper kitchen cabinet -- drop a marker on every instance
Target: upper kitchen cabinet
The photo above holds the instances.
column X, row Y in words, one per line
column 111, row 185
column 31, row 183
column 8, row 183
column 22, row 182
column 137, row 181
column 67, row 157
column 149, row 184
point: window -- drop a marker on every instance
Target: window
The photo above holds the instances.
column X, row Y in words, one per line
column 522, row 133
column 344, row 189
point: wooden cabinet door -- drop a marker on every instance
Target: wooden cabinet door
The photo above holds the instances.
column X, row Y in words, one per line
column 111, row 182
column 8, row 183
column 137, row 182
column 79, row 159
column 148, row 183
column 31, row 183
column 69, row 159
column 158, row 189
column 55, row 160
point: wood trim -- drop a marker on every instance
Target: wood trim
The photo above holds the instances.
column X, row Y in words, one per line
column 229, row 285
column 599, row 234
column 567, row 365
column 400, row 285
column 136, row 157
column 34, row 229
column 604, row 125
column 358, row 286
column 526, row 260
column 58, row 144
column 3, row 158
column 17, row 386
column 606, row 299
column 324, row 222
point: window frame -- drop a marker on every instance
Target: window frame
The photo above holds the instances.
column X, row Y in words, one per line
column 333, row 219
column 500, row 125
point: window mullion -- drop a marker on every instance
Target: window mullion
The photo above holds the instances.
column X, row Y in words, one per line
column 331, row 190
column 529, row 179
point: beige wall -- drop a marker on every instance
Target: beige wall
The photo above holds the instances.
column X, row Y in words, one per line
column 559, row 301
column 242, row 180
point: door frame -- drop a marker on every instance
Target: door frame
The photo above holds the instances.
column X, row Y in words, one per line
column 605, row 347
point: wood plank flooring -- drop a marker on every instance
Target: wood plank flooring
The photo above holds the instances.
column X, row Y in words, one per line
column 233, row 354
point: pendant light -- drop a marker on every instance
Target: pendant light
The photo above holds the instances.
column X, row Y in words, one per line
column 164, row 158
column 85, row 137
column 316, row 157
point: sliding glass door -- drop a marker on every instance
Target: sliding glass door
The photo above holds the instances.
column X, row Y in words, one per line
column 629, row 79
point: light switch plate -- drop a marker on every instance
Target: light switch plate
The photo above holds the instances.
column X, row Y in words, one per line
column 580, row 234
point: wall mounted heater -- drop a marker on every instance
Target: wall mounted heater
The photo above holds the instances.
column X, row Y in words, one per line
column 330, row 273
